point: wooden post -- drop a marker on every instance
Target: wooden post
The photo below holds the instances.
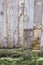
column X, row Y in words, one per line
column 8, row 23
column 21, row 16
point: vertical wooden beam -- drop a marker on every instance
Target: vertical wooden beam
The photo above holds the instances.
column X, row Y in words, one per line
column 10, row 45
column 21, row 16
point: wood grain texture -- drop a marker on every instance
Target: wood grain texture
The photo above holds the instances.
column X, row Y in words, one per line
column 3, row 42
column 17, row 16
column 28, row 14
column 37, row 13
column 8, row 24
column 21, row 19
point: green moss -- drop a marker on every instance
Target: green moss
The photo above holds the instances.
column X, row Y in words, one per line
column 12, row 61
column 35, row 54
column 9, row 61
column 10, row 53
column 23, row 63
column 40, row 63
column 19, row 57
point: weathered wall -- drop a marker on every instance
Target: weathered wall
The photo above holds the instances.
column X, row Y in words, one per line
column 8, row 23
column 28, row 38
column 21, row 19
column 2, row 23
column 17, row 16
column 41, row 45
column 13, row 20
column 28, row 14
column 37, row 18
column 37, row 13
column 28, row 22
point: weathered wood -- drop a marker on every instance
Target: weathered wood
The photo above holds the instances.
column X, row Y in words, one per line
column 38, row 33
column 14, row 22
column 28, row 23
column 28, row 14
column 3, row 42
column 37, row 13
column 17, row 15
column 38, row 21
column 8, row 24
column 21, row 16
column 41, row 45
column 42, row 16
column 28, row 38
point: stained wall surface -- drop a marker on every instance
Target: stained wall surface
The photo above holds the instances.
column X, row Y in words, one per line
column 17, row 21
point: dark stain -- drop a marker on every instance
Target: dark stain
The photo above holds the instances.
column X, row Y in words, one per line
column 2, row 13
